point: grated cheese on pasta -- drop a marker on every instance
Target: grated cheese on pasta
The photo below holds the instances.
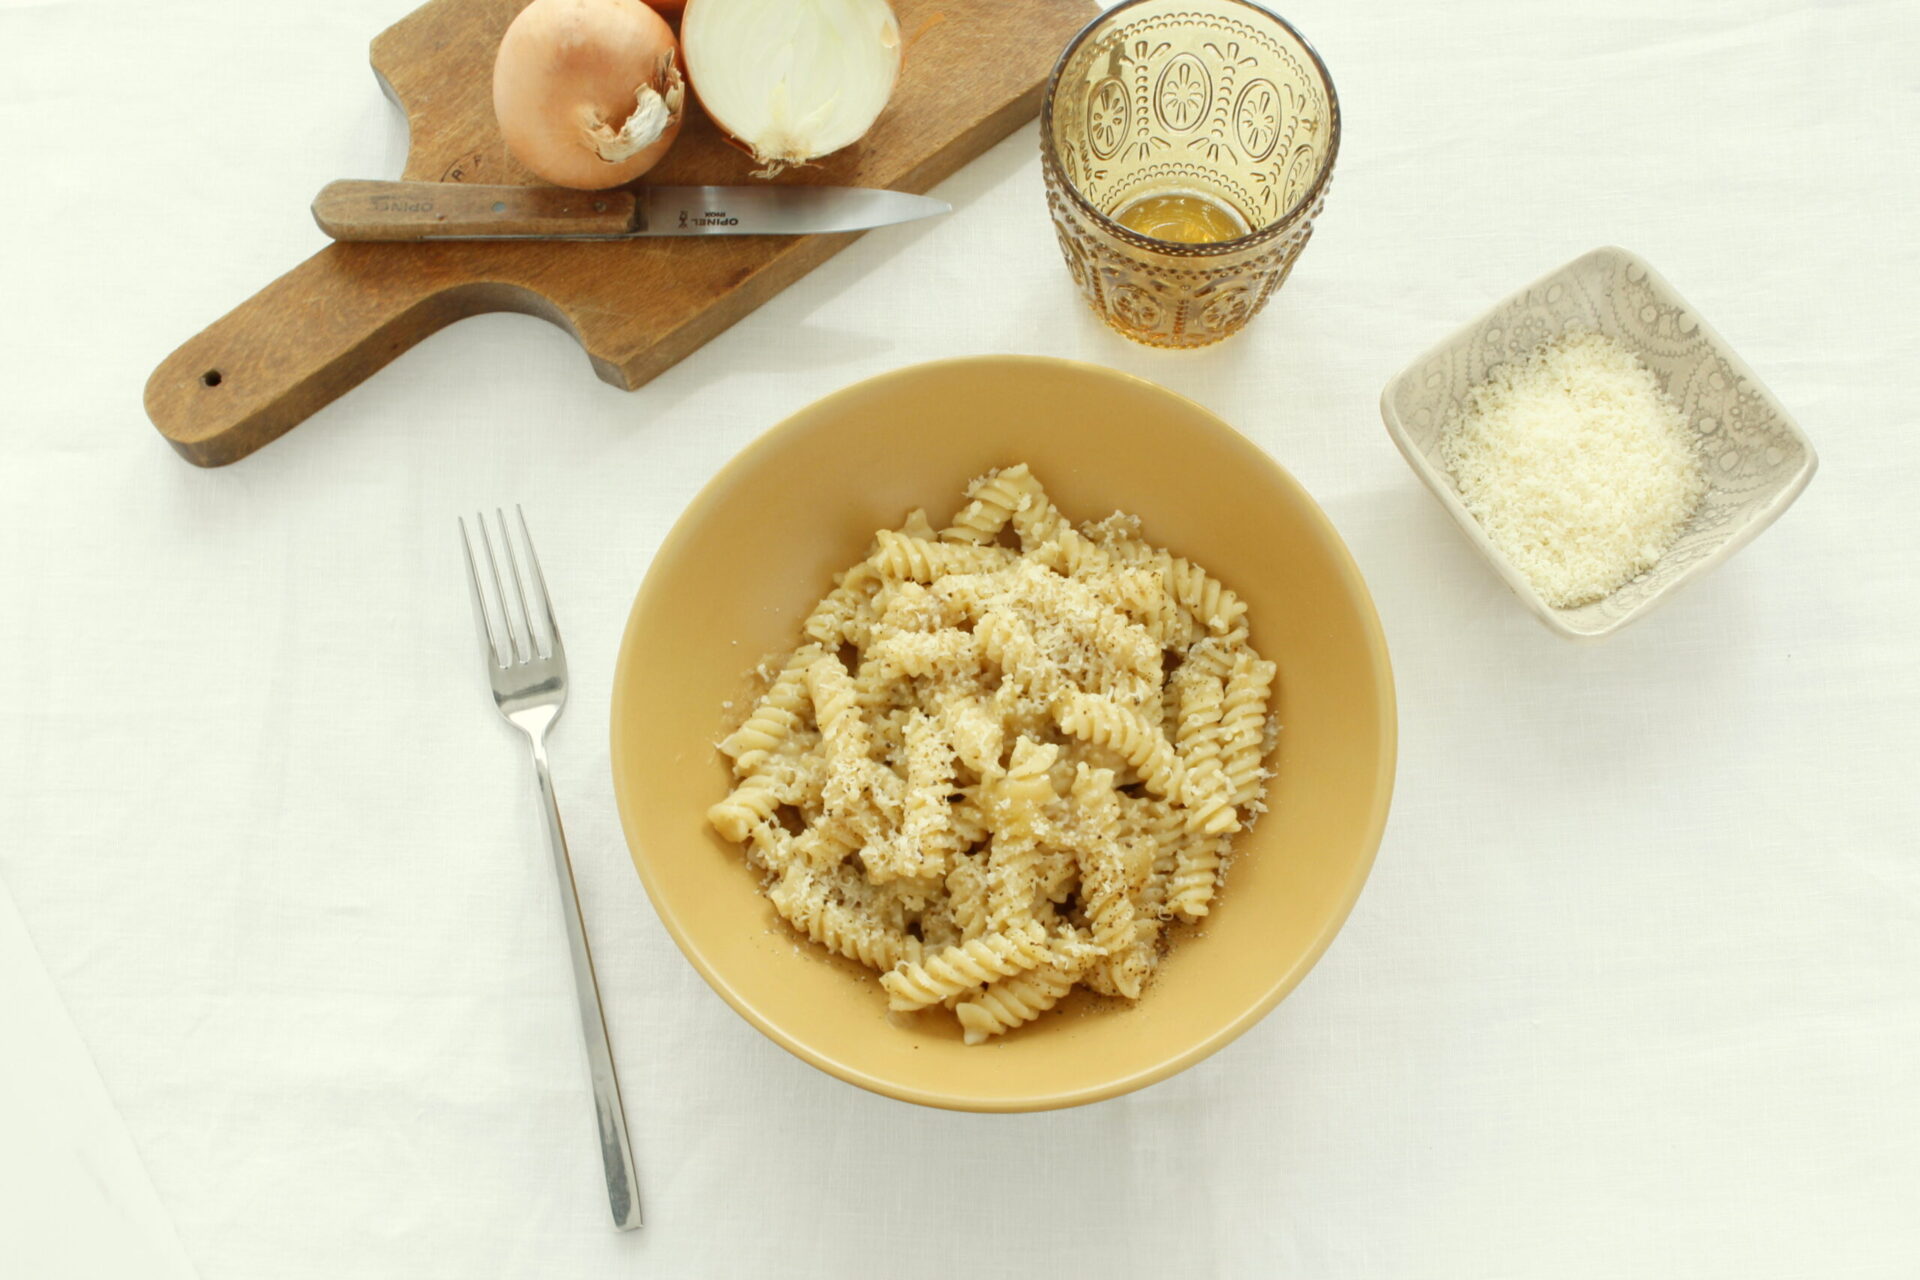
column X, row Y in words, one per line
column 994, row 773
column 1577, row 465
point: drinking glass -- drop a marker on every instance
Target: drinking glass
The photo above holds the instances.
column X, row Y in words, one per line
column 1207, row 120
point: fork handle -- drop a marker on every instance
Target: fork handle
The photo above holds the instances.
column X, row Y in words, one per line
column 616, row 1152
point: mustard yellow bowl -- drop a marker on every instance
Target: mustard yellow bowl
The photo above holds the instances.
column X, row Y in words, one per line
column 759, row 546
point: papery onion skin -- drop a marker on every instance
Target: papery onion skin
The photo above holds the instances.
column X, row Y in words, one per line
column 571, row 74
column 757, row 111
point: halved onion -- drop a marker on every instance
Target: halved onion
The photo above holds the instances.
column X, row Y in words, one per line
column 791, row 80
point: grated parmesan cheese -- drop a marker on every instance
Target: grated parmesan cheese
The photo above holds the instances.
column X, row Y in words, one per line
column 1577, row 465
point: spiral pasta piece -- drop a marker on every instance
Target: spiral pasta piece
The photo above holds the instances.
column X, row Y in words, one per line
column 836, row 704
column 1140, row 594
column 908, row 606
column 1207, row 792
column 804, row 899
column 915, row 984
column 1039, row 522
column 1131, row 969
column 926, row 840
column 970, row 823
column 994, row 498
column 1013, row 880
column 1016, row 1001
column 900, row 555
column 1213, row 656
column 844, row 734
column 1210, row 603
column 1104, row 722
column 1011, row 1003
column 1056, row 876
column 1196, row 871
column 962, row 597
column 1021, row 796
column 771, row 847
column 1151, row 902
column 824, row 846
column 776, row 717
column 1070, row 554
column 967, row 897
column 923, row 653
column 1243, row 722
column 1202, row 701
column 917, row 525
column 845, row 614
column 1009, row 644
column 1107, row 899
column 746, row 806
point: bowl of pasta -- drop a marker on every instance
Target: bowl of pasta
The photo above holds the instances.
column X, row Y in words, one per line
column 1003, row 733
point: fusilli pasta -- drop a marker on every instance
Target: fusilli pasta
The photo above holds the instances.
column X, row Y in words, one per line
column 996, row 772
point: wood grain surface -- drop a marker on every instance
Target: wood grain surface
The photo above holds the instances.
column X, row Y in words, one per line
column 359, row 209
column 974, row 72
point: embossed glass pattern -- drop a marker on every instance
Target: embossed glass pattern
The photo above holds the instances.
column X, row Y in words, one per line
column 1215, row 98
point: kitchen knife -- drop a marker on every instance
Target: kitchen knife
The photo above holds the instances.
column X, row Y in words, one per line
column 360, row 210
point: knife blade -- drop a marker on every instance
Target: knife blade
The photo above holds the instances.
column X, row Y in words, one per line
column 353, row 209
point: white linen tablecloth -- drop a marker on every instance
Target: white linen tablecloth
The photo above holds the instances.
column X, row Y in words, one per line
column 1634, row 990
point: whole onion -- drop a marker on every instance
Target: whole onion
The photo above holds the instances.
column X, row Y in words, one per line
column 588, row 93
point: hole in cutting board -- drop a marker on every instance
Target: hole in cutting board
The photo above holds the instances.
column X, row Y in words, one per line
column 499, row 206
column 211, row 378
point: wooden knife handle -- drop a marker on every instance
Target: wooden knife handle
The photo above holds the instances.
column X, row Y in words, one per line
column 310, row 336
column 353, row 209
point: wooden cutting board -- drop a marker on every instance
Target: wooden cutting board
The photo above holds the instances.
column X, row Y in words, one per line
column 973, row 73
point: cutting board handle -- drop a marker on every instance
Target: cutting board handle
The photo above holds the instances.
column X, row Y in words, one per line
column 302, row 341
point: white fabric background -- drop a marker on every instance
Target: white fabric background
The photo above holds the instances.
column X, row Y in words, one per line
column 1635, row 989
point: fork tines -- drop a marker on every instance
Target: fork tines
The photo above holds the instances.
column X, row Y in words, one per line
column 514, row 629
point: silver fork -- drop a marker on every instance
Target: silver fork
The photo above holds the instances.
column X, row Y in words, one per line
column 530, row 688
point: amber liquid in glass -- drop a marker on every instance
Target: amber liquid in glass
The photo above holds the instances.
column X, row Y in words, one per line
column 1181, row 217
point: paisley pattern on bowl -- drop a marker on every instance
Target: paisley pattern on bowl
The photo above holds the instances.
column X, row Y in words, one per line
column 1756, row 458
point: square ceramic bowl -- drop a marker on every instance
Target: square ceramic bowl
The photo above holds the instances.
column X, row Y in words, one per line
column 1756, row 458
